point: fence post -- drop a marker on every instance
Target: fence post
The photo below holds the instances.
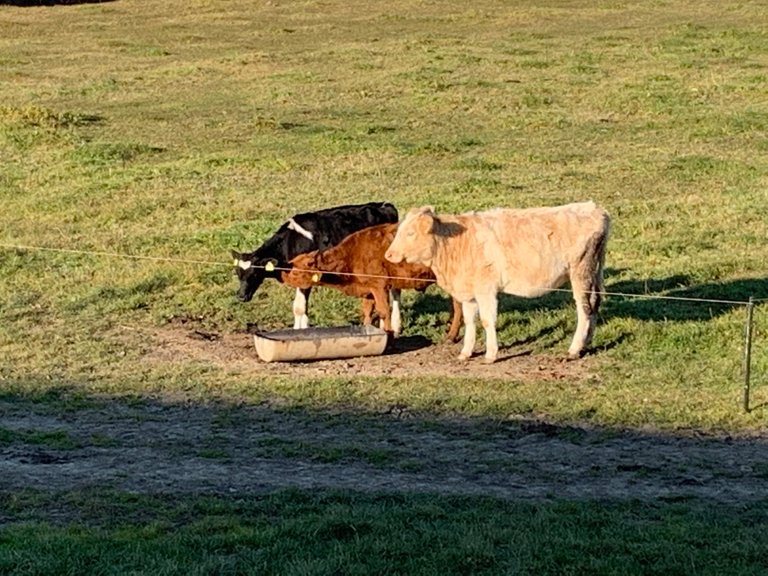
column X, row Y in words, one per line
column 747, row 366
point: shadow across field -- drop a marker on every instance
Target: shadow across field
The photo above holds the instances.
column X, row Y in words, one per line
column 65, row 440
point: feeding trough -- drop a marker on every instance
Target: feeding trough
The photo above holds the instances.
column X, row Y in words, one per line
column 320, row 343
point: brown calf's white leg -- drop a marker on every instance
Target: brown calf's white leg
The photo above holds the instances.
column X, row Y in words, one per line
column 396, row 320
column 300, row 318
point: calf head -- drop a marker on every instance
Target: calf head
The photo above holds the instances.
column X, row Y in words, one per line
column 414, row 242
column 251, row 273
column 304, row 271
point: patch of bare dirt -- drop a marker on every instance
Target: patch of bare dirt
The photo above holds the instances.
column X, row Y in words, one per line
column 405, row 356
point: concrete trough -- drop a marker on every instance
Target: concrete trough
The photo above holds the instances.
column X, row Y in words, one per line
column 320, row 343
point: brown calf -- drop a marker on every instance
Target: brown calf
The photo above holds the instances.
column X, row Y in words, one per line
column 357, row 267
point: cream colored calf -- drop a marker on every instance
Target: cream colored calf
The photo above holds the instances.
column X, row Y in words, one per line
column 525, row 252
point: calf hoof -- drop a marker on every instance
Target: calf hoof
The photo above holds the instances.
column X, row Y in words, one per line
column 452, row 336
column 575, row 356
column 464, row 357
column 391, row 336
column 489, row 359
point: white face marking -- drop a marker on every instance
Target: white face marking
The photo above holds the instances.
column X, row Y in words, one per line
column 244, row 264
column 292, row 225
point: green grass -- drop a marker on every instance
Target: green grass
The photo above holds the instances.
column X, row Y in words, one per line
column 57, row 440
column 179, row 130
column 292, row 532
column 188, row 137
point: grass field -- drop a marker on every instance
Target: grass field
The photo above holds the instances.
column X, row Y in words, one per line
column 175, row 131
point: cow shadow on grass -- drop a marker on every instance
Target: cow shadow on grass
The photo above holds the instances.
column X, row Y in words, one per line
column 404, row 344
column 678, row 298
column 675, row 298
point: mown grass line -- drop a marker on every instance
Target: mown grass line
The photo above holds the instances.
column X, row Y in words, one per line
column 292, row 532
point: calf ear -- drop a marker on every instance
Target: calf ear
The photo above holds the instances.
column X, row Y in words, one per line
column 269, row 264
column 422, row 210
column 426, row 223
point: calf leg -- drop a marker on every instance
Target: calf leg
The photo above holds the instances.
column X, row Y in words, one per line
column 396, row 320
column 587, row 287
column 469, row 311
column 367, row 304
column 488, row 306
column 300, row 304
column 381, row 299
column 453, row 331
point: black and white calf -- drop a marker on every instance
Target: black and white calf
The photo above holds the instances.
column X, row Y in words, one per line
column 305, row 233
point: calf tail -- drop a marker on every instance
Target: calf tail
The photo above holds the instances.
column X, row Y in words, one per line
column 598, row 248
column 596, row 294
column 587, row 284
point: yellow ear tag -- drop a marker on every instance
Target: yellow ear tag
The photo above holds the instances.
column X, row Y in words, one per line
column 236, row 262
column 270, row 267
column 315, row 277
